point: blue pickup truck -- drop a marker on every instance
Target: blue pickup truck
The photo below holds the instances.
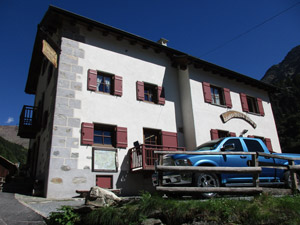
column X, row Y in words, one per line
column 237, row 144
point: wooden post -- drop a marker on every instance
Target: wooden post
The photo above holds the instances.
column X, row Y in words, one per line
column 160, row 174
column 293, row 178
column 255, row 175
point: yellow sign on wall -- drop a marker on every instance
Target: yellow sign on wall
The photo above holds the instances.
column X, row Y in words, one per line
column 50, row 54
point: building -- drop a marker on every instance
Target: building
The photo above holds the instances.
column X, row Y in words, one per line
column 100, row 92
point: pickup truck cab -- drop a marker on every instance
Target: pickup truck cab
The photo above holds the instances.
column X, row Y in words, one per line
column 237, row 144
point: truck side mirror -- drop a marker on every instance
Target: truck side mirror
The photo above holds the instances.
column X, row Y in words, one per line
column 228, row 147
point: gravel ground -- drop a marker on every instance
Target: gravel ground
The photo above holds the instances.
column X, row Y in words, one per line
column 44, row 206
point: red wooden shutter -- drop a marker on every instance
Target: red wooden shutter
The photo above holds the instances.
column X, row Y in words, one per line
column 227, row 98
column 232, row 134
column 104, row 181
column 260, row 107
column 269, row 144
column 121, row 137
column 118, row 85
column 214, row 134
column 207, row 92
column 244, row 102
column 87, row 134
column 92, row 80
column 169, row 139
column 140, row 90
column 161, row 95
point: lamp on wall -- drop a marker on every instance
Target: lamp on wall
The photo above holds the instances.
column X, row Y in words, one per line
column 243, row 132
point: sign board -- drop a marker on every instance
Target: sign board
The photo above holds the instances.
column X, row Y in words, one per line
column 235, row 114
column 105, row 160
column 50, row 54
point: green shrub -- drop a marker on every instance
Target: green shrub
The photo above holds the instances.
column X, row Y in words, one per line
column 66, row 216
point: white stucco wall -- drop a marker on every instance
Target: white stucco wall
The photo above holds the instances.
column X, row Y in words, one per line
column 207, row 116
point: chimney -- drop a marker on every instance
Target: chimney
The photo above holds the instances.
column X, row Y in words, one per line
column 162, row 41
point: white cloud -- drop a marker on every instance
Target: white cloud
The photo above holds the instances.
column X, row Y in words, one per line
column 10, row 120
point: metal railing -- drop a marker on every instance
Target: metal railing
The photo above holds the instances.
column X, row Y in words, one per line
column 28, row 122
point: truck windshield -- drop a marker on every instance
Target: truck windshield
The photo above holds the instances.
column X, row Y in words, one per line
column 209, row 145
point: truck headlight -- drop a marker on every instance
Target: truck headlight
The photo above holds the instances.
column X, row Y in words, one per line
column 183, row 162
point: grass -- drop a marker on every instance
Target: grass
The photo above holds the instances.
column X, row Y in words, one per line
column 263, row 209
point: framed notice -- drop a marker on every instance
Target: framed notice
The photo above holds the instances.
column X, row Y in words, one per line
column 105, row 160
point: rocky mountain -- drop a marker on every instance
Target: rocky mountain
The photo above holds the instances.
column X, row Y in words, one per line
column 286, row 102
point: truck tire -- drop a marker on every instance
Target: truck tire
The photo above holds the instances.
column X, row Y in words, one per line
column 207, row 180
column 288, row 180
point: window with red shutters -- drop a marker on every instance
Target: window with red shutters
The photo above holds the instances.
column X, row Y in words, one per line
column 87, row 133
column 207, row 92
column 251, row 104
column 105, row 83
column 103, row 135
column 121, row 137
column 169, row 139
column 150, row 93
column 216, row 95
column 215, row 134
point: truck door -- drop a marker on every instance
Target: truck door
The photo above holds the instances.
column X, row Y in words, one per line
column 235, row 161
column 255, row 146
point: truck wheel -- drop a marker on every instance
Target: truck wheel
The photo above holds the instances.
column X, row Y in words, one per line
column 288, row 180
column 207, row 180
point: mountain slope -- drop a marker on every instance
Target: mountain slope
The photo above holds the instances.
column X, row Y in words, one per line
column 286, row 103
column 10, row 133
column 13, row 152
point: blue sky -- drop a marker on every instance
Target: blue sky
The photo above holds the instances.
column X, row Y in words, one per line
column 192, row 26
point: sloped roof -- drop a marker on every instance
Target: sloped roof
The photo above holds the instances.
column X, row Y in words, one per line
column 54, row 16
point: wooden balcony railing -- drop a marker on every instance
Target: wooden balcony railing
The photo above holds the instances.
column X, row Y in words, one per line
column 143, row 157
column 28, row 125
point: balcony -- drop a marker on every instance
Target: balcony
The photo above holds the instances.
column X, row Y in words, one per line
column 142, row 157
column 29, row 125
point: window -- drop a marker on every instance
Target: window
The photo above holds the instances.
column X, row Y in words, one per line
column 216, row 95
column 251, row 104
column 152, row 137
column 215, row 134
column 105, row 135
column 237, row 144
column 105, row 83
column 150, row 93
column 253, row 146
column 158, row 137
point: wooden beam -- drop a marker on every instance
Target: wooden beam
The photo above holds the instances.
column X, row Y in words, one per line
column 210, row 189
column 204, row 153
column 209, row 169
column 277, row 156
